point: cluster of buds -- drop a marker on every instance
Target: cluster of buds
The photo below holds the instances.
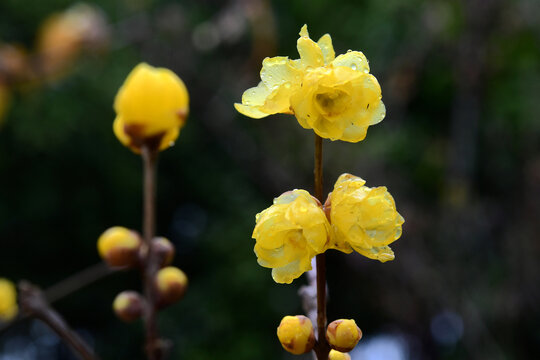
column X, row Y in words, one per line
column 297, row 336
column 120, row 247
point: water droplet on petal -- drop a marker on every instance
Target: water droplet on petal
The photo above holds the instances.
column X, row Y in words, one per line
column 353, row 66
column 287, row 85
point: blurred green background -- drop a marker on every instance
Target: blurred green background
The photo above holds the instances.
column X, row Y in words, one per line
column 459, row 150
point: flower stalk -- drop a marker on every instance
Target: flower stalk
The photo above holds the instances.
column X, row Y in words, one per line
column 151, row 265
column 321, row 348
column 34, row 303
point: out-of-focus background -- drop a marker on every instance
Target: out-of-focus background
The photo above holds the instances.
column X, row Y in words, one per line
column 459, row 150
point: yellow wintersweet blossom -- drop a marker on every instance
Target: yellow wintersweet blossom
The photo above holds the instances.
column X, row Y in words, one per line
column 8, row 300
column 151, row 108
column 289, row 234
column 364, row 218
column 334, row 96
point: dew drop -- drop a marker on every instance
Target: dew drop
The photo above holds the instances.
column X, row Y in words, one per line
column 353, row 66
column 287, row 85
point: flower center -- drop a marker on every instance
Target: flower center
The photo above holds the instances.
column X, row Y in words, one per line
column 333, row 102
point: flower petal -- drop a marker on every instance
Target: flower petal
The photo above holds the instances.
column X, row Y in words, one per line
column 355, row 60
column 325, row 43
column 310, row 53
column 251, row 111
column 280, row 70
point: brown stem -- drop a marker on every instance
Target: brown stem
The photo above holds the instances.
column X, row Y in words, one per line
column 33, row 303
column 153, row 343
column 322, row 348
column 66, row 287
column 77, row 281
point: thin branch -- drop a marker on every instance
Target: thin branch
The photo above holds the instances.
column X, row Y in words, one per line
column 321, row 348
column 33, row 303
column 77, row 281
column 154, row 346
column 67, row 287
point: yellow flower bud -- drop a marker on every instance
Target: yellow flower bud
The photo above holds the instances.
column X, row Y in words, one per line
column 364, row 218
column 8, row 300
column 151, row 108
column 128, row 306
column 334, row 96
column 296, row 335
column 289, row 234
column 164, row 250
column 336, row 355
column 343, row 335
column 171, row 284
column 119, row 246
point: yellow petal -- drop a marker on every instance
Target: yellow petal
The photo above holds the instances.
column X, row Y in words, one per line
column 354, row 133
column 383, row 253
column 325, row 43
column 251, row 111
column 256, row 96
column 280, row 70
column 355, row 60
column 310, row 53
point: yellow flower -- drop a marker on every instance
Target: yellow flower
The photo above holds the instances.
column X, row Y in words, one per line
column 289, row 234
column 334, row 96
column 151, row 108
column 364, row 218
column 8, row 300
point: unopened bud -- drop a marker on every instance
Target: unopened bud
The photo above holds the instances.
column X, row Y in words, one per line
column 336, row 355
column 119, row 246
column 128, row 306
column 296, row 335
column 343, row 335
column 8, row 300
column 164, row 250
column 171, row 284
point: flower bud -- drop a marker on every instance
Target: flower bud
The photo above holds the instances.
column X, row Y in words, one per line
column 128, row 306
column 151, row 108
column 296, row 335
column 8, row 300
column 336, row 355
column 343, row 335
column 164, row 250
column 119, row 246
column 171, row 284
